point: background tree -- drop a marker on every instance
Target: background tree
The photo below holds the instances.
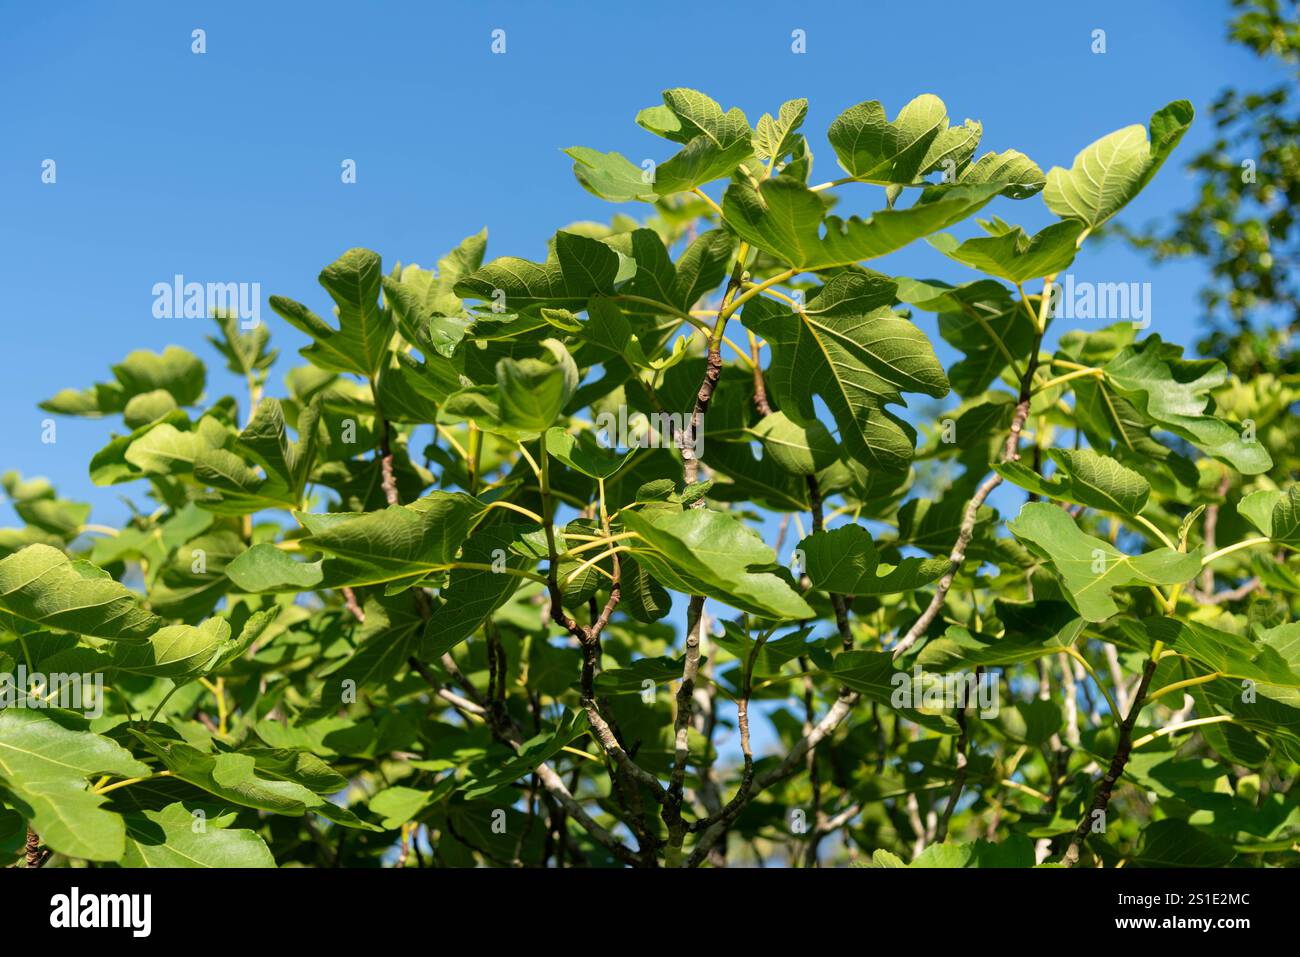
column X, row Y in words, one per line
column 1243, row 223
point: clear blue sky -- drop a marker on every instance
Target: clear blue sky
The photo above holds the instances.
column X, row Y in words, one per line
column 225, row 166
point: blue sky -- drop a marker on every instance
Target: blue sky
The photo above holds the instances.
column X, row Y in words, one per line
column 226, row 166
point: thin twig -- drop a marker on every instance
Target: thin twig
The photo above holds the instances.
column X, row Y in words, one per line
column 1209, row 530
column 1101, row 798
column 34, row 856
column 1010, row 453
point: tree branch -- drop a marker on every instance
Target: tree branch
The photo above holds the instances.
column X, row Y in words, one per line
column 1101, row 798
column 1010, row 453
column 34, row 857
column 672, row 809
column 832, row 720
